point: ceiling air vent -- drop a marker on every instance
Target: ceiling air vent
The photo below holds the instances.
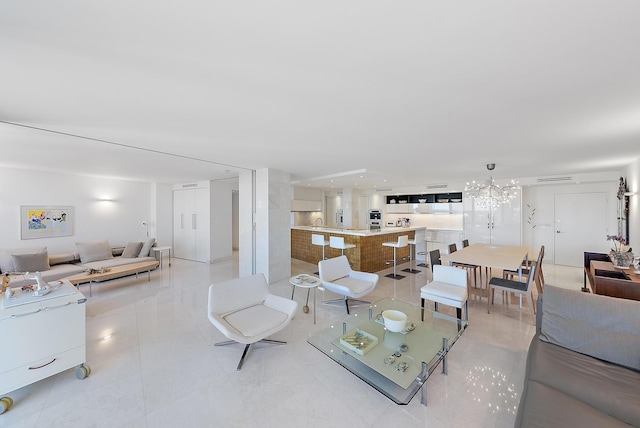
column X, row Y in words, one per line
column 185, row 186
column 384, row 190
column 554, row 179
column 437, row 186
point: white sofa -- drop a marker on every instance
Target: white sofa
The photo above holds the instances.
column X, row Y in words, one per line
column 91, row 255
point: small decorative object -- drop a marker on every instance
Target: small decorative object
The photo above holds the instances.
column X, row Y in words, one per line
column 636, row 265
column 402, row 366
column 621, row 254
column 92, row 271
column 359, row 341
column 394, row 320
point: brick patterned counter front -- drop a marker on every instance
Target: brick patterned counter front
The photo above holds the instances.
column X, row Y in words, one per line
column 368, row 256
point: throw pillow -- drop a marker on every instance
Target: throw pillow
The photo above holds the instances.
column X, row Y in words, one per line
column 6, row 260
column 144, row 251
column 599, row 326
column 94, row 251
column 31, row 262
column 132, row 250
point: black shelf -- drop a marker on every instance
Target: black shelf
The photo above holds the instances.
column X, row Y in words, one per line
column 428, row 198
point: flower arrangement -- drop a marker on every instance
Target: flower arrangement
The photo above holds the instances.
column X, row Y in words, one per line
column 619, row 244
column 621, row 254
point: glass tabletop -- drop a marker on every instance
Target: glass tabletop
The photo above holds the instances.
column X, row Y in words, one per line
column 396, row 364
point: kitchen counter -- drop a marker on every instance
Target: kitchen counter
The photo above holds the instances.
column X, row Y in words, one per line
column 368, row 256
column 358, row 232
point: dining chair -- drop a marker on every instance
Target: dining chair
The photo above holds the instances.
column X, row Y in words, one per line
column 470, row 268
column 449, row 287
column 434, row 258
column 511, row 286
column 526, row 270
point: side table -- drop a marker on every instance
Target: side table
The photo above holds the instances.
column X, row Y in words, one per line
column 309, row 282
column 160, row 250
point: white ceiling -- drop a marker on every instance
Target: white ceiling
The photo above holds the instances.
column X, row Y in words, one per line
column 414, row 92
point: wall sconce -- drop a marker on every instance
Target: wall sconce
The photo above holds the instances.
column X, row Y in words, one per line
column 145, row 224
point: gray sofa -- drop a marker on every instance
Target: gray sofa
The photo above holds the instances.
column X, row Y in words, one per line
column 583, row 365
column 90, row 255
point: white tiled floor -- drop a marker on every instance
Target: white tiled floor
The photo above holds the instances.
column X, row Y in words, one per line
column 159, row 368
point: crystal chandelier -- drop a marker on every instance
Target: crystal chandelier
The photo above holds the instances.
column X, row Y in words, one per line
column 489, row 194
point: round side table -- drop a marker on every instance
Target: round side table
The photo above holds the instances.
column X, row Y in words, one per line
column 309, row 282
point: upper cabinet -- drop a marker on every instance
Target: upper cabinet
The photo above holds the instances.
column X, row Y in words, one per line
column 422, row 203
column 300, row 205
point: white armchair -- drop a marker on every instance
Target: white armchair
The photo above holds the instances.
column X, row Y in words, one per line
column 337, row 276
column 246, row 312
column 449, row 287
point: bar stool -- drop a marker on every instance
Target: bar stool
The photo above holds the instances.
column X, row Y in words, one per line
column 338, row 242
column 319, row 240
column 417, row 237
column 403, row 241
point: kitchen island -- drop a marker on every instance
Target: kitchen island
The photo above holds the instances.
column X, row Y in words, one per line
column 368, row 256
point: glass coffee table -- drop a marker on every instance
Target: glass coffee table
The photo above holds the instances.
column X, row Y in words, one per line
column 396, row 364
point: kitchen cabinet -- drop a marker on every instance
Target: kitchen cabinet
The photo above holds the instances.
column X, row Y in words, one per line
column 423, row 203
column 191, row 227
column 500, row 226
column 42, row 336
column 302, row 205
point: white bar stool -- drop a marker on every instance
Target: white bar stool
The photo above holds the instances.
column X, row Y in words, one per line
column 417, row 237
column 319, row 240
column 338, row 242
column 403, row 241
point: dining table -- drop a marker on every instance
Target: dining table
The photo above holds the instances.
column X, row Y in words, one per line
column 491, row 256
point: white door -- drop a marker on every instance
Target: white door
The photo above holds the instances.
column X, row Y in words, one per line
column 580, row 225
column 184, row 228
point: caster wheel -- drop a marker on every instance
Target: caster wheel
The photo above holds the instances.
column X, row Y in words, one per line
column 83, row 372
column 305, row 309
column 5, row 404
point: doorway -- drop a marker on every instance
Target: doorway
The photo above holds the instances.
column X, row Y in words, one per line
column 580, row 225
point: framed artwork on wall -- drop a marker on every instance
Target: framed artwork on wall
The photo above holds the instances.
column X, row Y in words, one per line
column 46, row 221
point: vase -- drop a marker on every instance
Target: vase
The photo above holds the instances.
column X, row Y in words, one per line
column 621, row 259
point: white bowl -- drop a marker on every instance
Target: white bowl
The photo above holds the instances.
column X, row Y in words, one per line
column 394, row 321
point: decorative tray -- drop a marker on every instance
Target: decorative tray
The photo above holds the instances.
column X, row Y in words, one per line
column 359, row 341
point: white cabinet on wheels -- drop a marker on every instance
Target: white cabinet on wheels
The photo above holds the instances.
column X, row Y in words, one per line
column 41, row 336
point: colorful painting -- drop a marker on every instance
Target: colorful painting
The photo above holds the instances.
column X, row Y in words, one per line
column 46, row 221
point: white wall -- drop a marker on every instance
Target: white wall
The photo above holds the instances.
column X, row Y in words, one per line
column 161, row 225
column 273, row 231
column 119, row 219
column 222, row 219
column 632, row 174
column 542, row 198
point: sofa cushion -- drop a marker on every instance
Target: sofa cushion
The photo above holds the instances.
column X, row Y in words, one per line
column 132, row 250
column 116, row 261
column 37, row 262
column 58, row 259
column 146, row 247
column 94, row 250
column 599, row 326
column 547, row 407
column 6, row 261
column 610, row 388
